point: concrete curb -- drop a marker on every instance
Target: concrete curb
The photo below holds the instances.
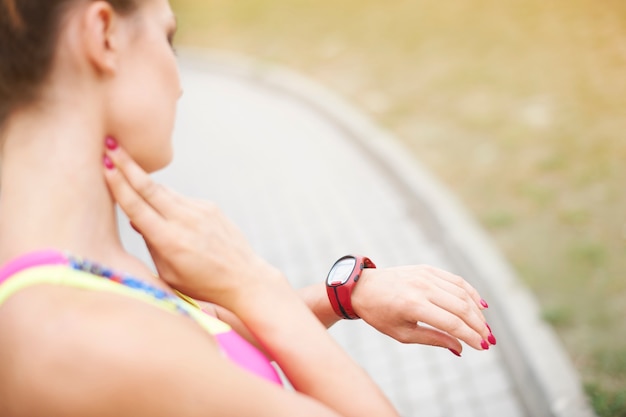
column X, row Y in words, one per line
column 540, row 367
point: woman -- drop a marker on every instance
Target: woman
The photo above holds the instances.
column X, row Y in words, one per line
column 88, row 90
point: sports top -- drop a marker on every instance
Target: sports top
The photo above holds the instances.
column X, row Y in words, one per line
column 57, row 268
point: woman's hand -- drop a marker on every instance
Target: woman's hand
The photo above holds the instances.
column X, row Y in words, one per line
column 195, row 248
column 423, row 304
column 198, row 251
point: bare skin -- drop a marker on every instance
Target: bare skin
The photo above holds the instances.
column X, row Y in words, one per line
column 181, row 232
column 116, row 76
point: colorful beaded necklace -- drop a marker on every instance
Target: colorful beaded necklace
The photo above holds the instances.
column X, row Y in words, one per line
column 94, row 268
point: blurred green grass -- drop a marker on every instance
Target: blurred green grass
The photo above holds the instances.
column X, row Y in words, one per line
column 518, row 106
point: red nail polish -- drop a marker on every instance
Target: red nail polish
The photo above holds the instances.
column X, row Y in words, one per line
column 455, row 352
column 484, row 303
column 484, row 344
column 487, row 324
column 110, row 143
column 108, row 163
column 492, row 339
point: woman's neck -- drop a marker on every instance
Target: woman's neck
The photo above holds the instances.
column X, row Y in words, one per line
column 52, row 190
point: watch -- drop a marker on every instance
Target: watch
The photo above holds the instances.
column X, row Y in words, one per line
column 340, row 283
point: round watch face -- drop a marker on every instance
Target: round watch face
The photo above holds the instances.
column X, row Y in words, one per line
column 341, row 271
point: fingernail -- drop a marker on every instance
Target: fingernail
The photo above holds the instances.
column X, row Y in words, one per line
column 492, row 339
column 110, row 143
column 487, row 324
column 107, row 162
column 484, row 344
column 455, row 352
column 484, row 303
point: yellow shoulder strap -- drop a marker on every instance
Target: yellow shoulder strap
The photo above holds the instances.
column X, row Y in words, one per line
column 63, row 275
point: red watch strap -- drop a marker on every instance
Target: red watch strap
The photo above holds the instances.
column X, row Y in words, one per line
column 340, row 295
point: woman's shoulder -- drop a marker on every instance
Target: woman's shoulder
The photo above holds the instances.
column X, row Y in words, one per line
column 43, row 317
column 66, row 343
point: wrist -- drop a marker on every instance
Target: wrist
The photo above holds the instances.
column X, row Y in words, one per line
column 257, row 280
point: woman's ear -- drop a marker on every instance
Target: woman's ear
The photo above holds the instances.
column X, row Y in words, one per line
column 100, row 37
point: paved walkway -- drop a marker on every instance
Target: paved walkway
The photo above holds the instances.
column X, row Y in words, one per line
column 305, row 192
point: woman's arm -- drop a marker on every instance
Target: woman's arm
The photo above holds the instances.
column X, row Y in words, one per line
column 101, row 354
column 394, row 300
column 201, row 253
column 314, row 297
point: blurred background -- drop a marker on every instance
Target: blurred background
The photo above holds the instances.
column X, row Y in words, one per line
column 519, row 107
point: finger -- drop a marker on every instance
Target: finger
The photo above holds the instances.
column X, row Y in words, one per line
column 460, row 282
column 459, row 303
column 426, row 335
column 450, row 323
column 134, row 227
column 141, row 214
column 463, row 300
column 162, row 199
column 453, row 284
